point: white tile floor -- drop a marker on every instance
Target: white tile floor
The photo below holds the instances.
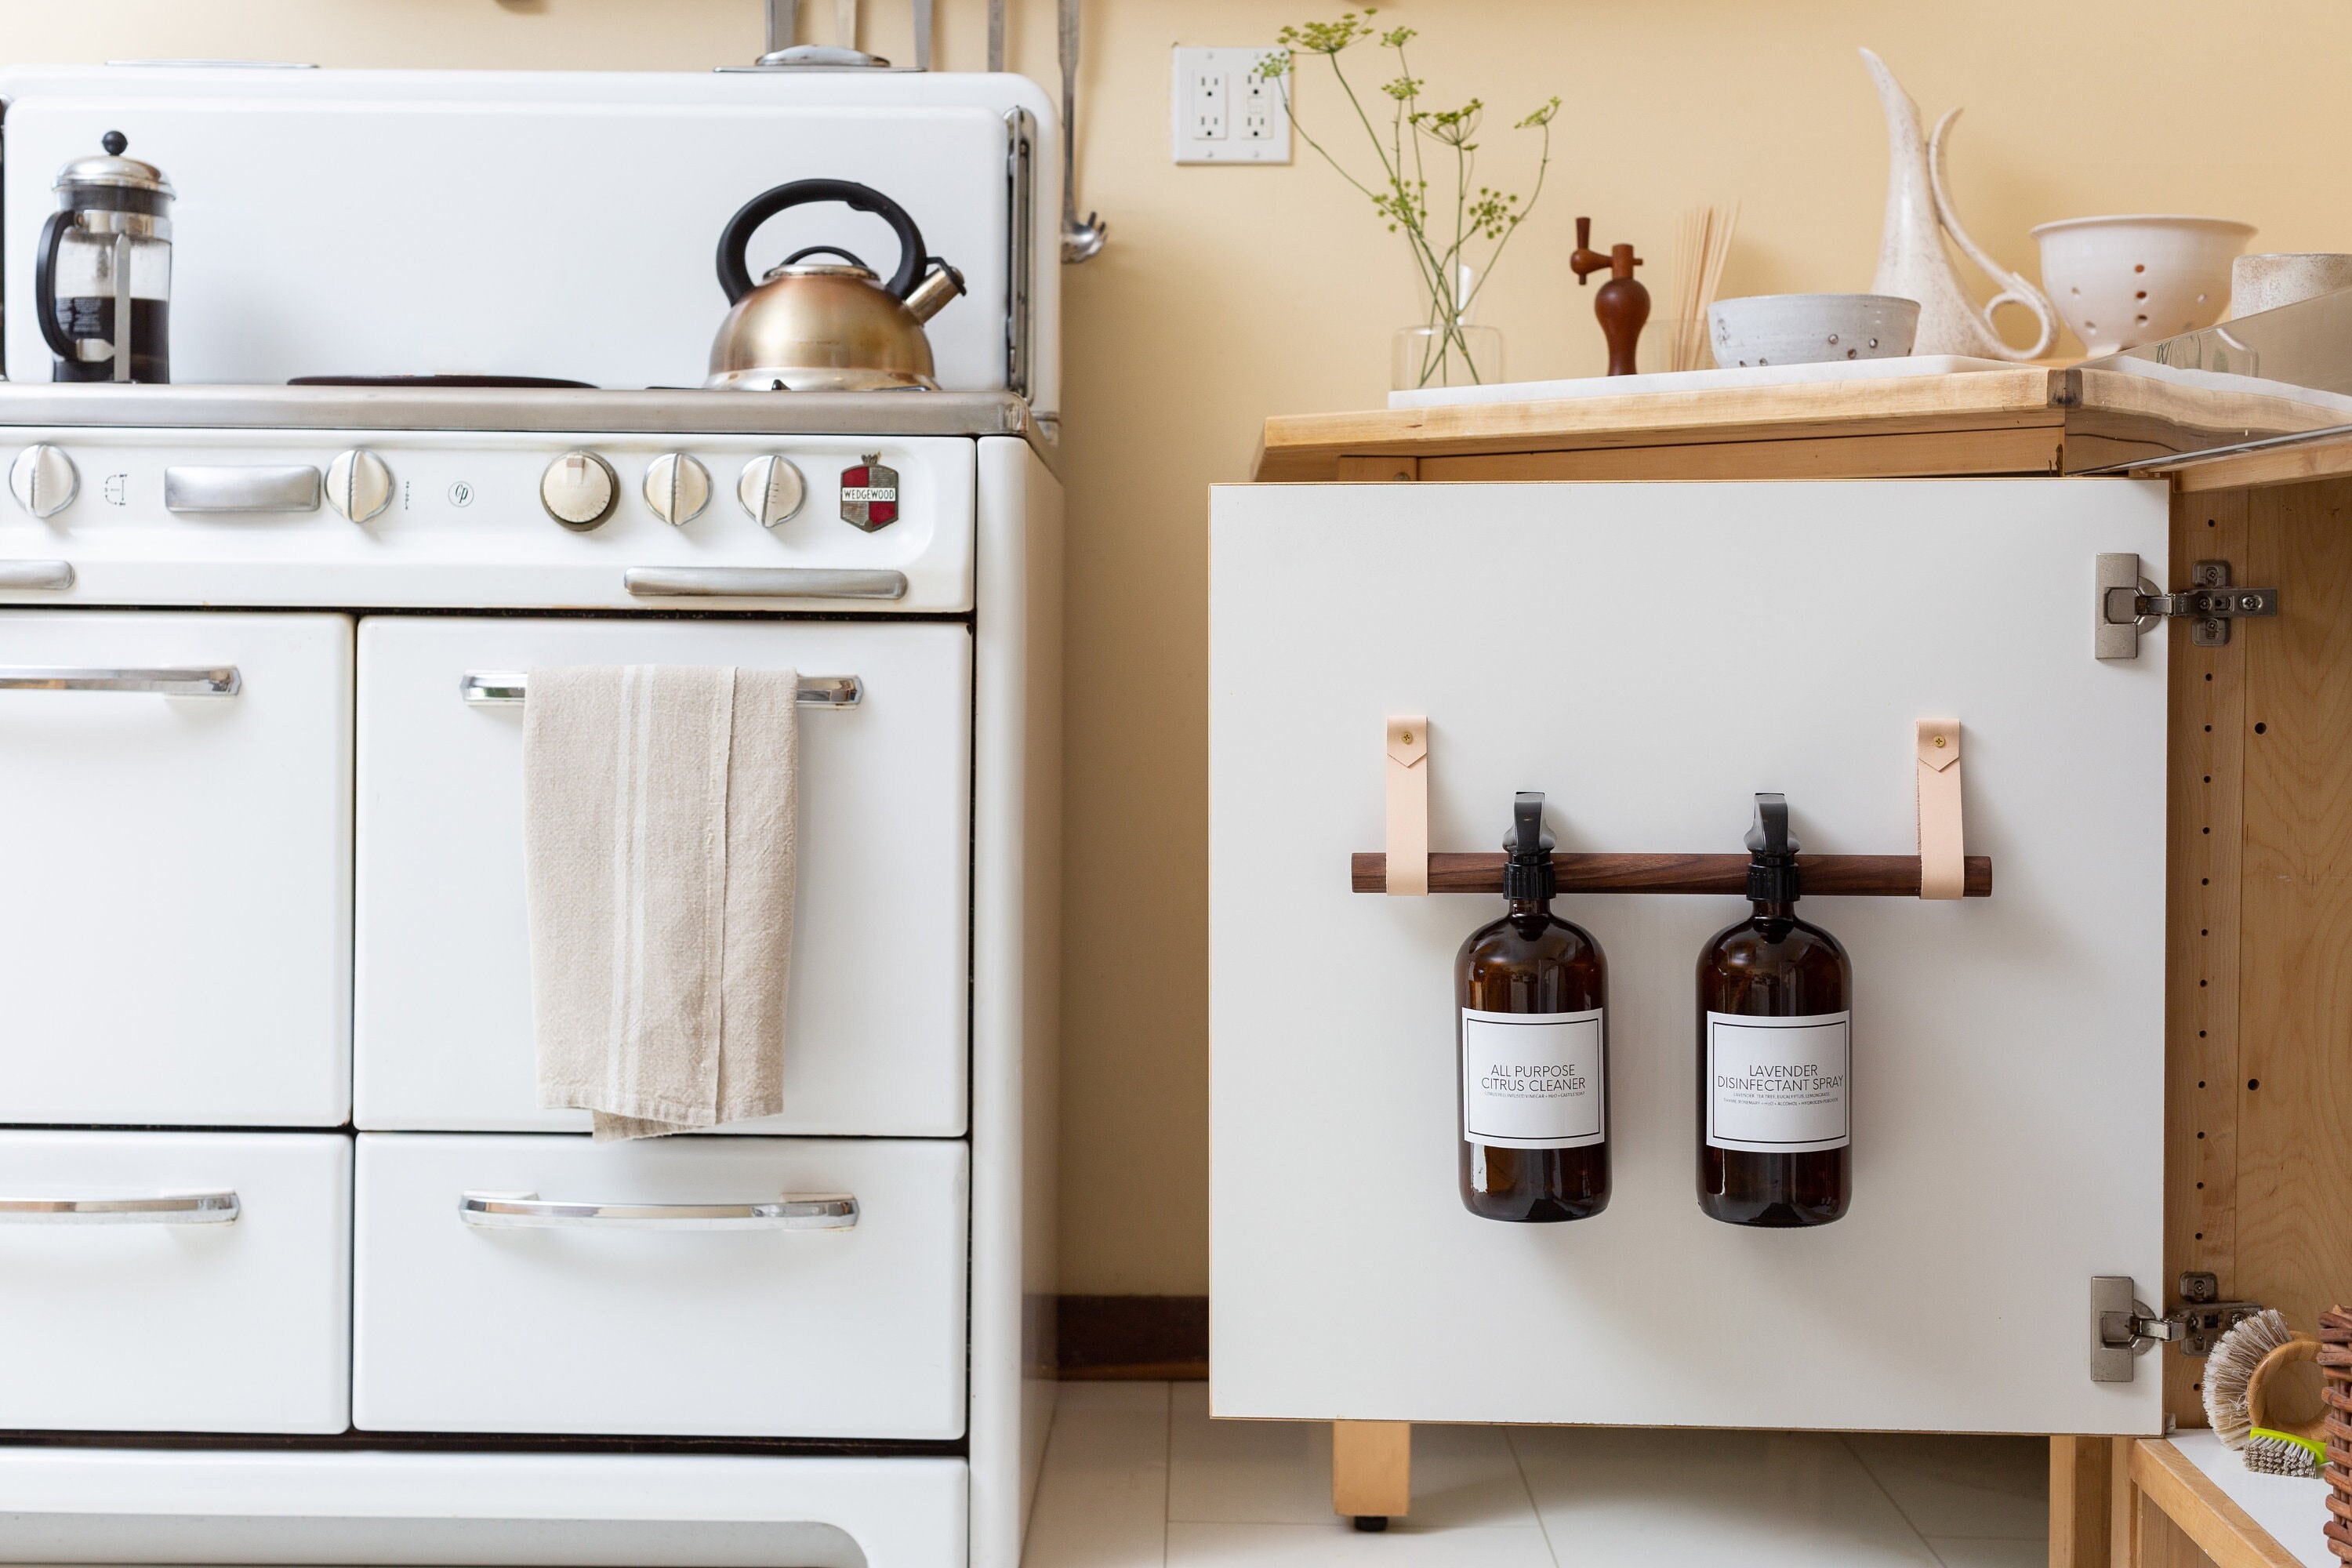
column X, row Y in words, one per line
column 1136, row 1475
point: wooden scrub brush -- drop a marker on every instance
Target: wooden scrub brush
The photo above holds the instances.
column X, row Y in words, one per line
column 2264, row 1397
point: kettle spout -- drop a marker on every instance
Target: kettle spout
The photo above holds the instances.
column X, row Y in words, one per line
column 929, row 296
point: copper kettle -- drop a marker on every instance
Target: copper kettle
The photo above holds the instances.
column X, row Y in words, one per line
column 828, row 326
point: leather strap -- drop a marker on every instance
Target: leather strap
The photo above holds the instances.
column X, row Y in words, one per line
column 1943, row 870
column 1408, row 792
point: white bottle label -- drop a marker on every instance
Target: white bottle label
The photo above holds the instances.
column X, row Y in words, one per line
column 1779, row 1086
column 1533, row 1081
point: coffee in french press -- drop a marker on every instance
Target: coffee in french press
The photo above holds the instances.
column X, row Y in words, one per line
column 102, row 276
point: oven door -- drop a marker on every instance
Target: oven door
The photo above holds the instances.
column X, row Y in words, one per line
column 175, row 1281
column 175, row 914
column 672, row 1287
column 875, row 1025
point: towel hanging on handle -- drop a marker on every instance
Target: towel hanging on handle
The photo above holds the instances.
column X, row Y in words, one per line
column 660, row 836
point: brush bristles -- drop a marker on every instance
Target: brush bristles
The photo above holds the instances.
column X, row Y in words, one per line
column 2269, row 1453
column 2231, row 1368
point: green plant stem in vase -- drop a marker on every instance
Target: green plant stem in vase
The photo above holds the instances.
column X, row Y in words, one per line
column 1409, row 143
column 1450, row 351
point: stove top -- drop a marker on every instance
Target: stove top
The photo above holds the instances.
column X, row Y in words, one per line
column 433, row 406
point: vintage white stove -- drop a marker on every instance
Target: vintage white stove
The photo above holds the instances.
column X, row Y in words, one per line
column 292, row 1268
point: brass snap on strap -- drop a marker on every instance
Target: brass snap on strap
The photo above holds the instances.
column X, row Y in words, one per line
column 1943, row 865
column 1407, row 767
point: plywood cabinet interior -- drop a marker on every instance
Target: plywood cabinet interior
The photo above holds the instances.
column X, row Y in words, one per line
column 2259, row 1124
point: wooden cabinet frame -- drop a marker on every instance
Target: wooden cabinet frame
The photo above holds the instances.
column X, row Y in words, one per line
column 2258, row 852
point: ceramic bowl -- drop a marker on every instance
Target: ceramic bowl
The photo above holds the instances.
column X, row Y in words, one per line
column 1811, row 329
column 2123, row 281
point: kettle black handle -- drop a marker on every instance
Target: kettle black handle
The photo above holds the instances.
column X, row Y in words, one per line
column 734, row 273
column 44, row 283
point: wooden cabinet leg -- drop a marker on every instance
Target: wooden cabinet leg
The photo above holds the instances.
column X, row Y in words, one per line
column 1372, row 1471
column 2081, row 1476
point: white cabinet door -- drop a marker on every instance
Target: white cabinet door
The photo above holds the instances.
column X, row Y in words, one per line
column 175, row 913
column 656, row 1323
column 175, row 1281
column 875, row 1019
column 1650, row 657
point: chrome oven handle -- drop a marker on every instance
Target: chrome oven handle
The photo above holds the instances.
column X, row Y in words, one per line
column 507, row 687
column 528, row 1211
column 762, row 582
column 37, row 574
column 215, row 681
column 163, row 1208
column 292, row 486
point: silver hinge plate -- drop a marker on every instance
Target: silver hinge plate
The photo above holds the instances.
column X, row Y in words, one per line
column 2124, row 1327
column 2129, row 606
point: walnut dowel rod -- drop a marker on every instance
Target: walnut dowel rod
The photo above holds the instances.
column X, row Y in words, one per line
column 1888, row 876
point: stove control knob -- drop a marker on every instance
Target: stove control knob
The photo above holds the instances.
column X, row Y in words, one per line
column 771, row 489
column 677, row 488
column 358, row 484
column 579, row 489
column 44, row 481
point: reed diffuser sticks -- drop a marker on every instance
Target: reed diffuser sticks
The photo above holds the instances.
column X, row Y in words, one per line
column 1702, row 241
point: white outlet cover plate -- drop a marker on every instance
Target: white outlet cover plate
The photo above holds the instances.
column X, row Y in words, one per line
column 1221, row 112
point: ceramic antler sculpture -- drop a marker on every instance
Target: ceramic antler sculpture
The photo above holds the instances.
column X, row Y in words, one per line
column 1912, row 261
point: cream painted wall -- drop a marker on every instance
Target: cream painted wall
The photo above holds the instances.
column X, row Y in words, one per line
column 1229, row 293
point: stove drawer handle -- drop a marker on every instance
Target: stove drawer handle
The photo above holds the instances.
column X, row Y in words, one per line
column 507, row 687
column 218, row 680
column 292, row 486
column 37, row 574
column 762, row 583
column 163, row 1208
column 528, row 1211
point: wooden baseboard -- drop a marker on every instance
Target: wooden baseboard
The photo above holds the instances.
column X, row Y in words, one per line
column 1134, row 1338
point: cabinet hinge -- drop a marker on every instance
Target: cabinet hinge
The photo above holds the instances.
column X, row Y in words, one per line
column 2128, row 604
column 2123, row 1326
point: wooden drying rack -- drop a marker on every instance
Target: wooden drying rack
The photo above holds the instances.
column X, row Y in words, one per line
column 1832, row 875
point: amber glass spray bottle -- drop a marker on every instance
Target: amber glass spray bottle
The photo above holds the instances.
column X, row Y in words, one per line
column 1774, row 1052
column 1531, row 1042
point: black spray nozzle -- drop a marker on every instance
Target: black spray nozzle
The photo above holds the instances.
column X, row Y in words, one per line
column 1770, row 834
column 1772, row 874
column 1529, row 873
column 1529, row 837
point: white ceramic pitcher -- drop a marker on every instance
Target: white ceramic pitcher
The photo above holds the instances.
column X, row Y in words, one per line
column 1912, row 261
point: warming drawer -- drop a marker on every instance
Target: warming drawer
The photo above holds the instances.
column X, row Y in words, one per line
column 176, row 935
column 175, row 1281
column 876, row 1020
column 677, row 1287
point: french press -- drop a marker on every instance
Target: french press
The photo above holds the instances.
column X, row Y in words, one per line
column 102, row 276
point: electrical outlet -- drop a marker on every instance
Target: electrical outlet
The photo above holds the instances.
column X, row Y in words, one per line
column 1223, row 111
column 1260, row 104
column 1208, row 106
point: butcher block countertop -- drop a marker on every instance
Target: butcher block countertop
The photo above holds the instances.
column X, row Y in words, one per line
column 2029, row 420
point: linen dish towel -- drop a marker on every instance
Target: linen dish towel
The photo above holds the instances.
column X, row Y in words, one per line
column 660, row 807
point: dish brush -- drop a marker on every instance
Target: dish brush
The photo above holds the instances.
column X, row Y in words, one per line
column 2270, row 1452
column 2255, row 1397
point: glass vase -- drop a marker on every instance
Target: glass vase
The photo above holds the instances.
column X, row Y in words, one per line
column 1460, row 355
